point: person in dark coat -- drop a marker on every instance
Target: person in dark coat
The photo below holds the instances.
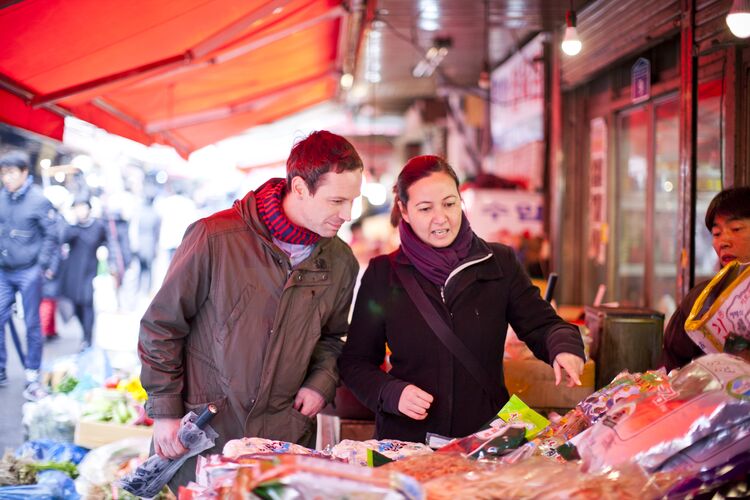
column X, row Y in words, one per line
column 728, row 219
column 27, row 243
column 477, row 288
column 78, row 271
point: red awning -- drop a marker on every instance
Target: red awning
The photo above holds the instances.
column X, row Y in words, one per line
column 181, row 72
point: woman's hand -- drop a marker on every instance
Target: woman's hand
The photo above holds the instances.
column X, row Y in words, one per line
column 573, row 366
column 414, row 402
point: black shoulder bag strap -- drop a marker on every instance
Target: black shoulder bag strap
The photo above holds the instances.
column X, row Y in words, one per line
column 443, row 331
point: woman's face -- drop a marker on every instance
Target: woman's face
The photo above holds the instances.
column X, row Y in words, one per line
column 434, row 209
column 731, row 239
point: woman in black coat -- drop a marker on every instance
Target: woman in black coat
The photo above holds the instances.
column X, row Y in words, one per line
column 475, row 288
column 78, row 270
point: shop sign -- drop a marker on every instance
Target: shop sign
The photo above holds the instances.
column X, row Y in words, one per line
column 517, row 98
column 500, row 215
column 640, row 80
column 598, row 229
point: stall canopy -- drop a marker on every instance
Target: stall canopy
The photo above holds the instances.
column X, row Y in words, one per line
column 186, row 73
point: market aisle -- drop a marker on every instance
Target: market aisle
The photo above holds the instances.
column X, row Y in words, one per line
column 115, row 331
column 11, row 428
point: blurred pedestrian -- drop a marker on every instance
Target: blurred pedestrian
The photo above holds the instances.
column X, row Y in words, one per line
column 177, row 213
column 51, row 285
column 148, row 223
column 78, row 270
column 27, row 243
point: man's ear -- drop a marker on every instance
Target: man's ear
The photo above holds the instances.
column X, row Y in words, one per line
column 404, row 214
column 299, row 187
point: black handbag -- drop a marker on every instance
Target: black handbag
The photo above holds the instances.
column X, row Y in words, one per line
column 443, row 331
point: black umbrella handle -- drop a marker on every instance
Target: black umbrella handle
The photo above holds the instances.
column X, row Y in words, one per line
column 206, row 415
column 551, row 282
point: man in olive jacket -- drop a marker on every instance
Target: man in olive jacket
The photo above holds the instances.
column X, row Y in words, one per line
column 253, row 308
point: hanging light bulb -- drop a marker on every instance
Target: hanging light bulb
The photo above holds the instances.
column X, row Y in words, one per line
column 738, row 18
column 571, row 44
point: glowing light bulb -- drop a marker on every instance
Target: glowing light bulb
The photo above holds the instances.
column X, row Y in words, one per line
column 571, row 44
column 738, row 18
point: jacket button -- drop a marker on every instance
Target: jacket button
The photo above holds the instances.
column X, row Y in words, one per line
column 270, row 332
column 324, row 277
column 299, row 277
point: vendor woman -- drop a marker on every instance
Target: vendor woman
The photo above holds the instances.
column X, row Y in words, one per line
column 728, row 220
column 442, row 302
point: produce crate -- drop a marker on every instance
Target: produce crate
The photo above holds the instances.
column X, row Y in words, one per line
column 94, row 434
column 533, row 381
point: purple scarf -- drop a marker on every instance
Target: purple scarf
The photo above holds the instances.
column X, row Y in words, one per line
column 436, row 264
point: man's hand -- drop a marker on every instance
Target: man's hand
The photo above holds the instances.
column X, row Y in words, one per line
column 309, row 402
column 166, row 443
column 414, row 402
column 573, row 366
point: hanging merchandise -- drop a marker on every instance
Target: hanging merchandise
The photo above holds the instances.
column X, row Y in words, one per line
column 720, row 318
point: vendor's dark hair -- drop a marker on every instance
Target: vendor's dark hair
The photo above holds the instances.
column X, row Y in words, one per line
column 319, row 153
column 415, row 169
column 732, row 203
column 15, row 158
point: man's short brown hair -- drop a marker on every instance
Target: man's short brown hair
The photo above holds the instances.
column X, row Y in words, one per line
column 319, row 153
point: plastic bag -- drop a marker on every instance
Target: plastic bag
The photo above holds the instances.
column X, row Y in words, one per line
column 53, row 417
column 101, row 466
column 48, row 450
column 51, row 485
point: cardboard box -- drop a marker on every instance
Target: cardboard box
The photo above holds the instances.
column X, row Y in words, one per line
column 94, row 434
column 533, row 381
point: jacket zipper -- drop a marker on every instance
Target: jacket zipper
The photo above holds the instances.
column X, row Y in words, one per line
column 458, row 270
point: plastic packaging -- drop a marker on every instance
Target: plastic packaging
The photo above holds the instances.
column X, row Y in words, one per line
column 48, row 450
column 53, row 417
column 51, row 485
column 709, row 394
column 151, row 476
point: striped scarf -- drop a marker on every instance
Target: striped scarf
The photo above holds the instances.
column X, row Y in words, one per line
column 268, row 199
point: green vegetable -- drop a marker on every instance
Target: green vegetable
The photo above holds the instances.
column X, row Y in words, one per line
column 67, row 467
column 67, row 384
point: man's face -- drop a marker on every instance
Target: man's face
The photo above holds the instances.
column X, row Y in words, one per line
column 434, row 209
column 13, row 178
column 325, row 211
column 731, row 239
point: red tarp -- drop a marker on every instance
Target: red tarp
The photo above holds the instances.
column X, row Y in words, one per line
column 181, row 72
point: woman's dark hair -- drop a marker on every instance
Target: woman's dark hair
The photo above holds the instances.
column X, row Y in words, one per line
column 415, row 169
column 732, row 203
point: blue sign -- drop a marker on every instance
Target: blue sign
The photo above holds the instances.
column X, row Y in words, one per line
column 640, row 80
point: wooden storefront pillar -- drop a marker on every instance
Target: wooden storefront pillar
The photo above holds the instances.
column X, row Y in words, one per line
column 687, row 153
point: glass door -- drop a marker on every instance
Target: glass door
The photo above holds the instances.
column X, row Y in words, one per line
column 631, row 210
column 645, row 238
column 665, row 250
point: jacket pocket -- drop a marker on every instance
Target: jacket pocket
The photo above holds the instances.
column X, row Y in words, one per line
column 239, row 308
column 301, row 428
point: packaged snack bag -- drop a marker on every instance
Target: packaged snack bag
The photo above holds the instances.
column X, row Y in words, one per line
column 513, row 425
column 708, row 395
column 722, row 310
